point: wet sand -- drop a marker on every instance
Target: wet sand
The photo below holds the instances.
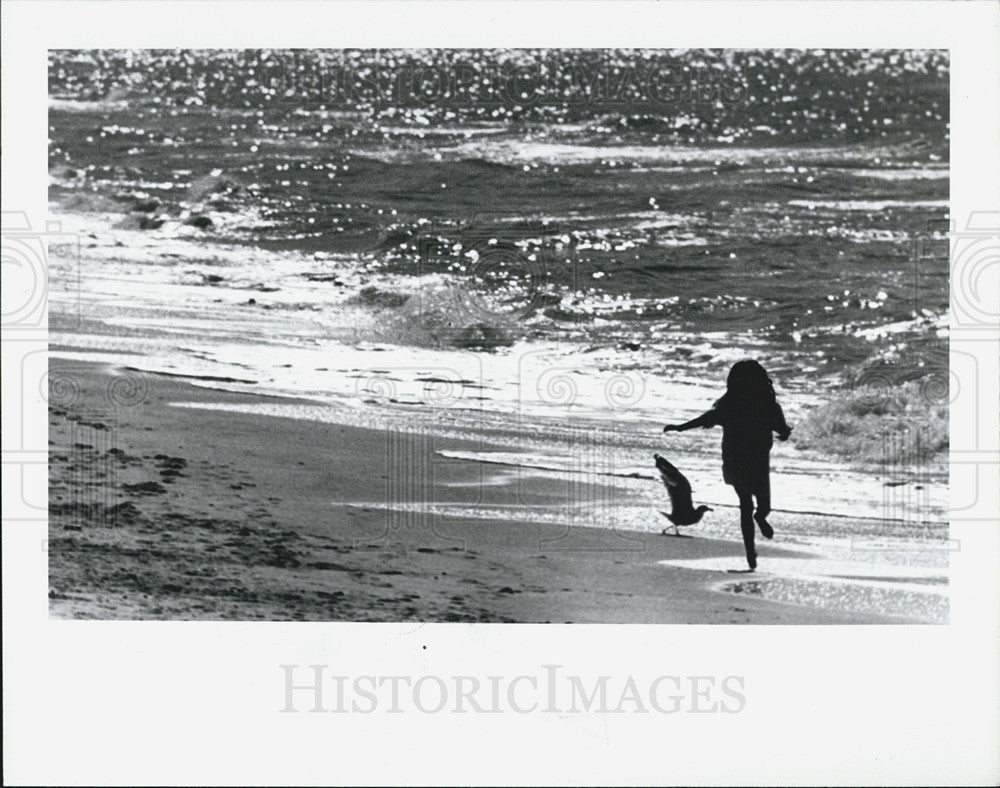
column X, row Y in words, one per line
column 160, row 512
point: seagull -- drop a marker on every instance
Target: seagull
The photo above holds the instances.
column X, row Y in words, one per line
column 679, row 488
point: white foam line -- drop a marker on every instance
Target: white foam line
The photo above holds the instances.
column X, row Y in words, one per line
column 823, row 571
column 561, row 514
column 868, row 205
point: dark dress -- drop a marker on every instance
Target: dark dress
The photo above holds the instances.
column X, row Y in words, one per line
column 746, row 442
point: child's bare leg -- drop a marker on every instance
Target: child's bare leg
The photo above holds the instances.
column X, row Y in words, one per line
column 764, row 500
column 746, row 526
column 763, row 510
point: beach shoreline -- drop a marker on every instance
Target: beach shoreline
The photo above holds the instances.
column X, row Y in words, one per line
column 413, row 374
column 163, row 512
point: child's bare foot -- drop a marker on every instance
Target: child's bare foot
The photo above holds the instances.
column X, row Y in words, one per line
column 765, row 526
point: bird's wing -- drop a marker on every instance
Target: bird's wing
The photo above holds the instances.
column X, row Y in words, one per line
column 677, row 485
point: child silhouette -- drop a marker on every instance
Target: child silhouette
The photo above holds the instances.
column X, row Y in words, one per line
column 748, row 413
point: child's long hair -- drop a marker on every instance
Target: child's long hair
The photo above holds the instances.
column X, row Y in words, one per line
column 749, row 397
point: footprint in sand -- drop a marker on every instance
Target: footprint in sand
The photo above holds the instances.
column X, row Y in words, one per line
column 145, row 488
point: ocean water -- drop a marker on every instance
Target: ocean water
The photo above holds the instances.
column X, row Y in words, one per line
column 530, row 245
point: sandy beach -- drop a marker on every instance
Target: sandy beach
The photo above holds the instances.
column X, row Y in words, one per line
column 162, row 512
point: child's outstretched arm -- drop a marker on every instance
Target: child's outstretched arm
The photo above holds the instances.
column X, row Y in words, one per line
column 708, row 419
column 780, row 425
